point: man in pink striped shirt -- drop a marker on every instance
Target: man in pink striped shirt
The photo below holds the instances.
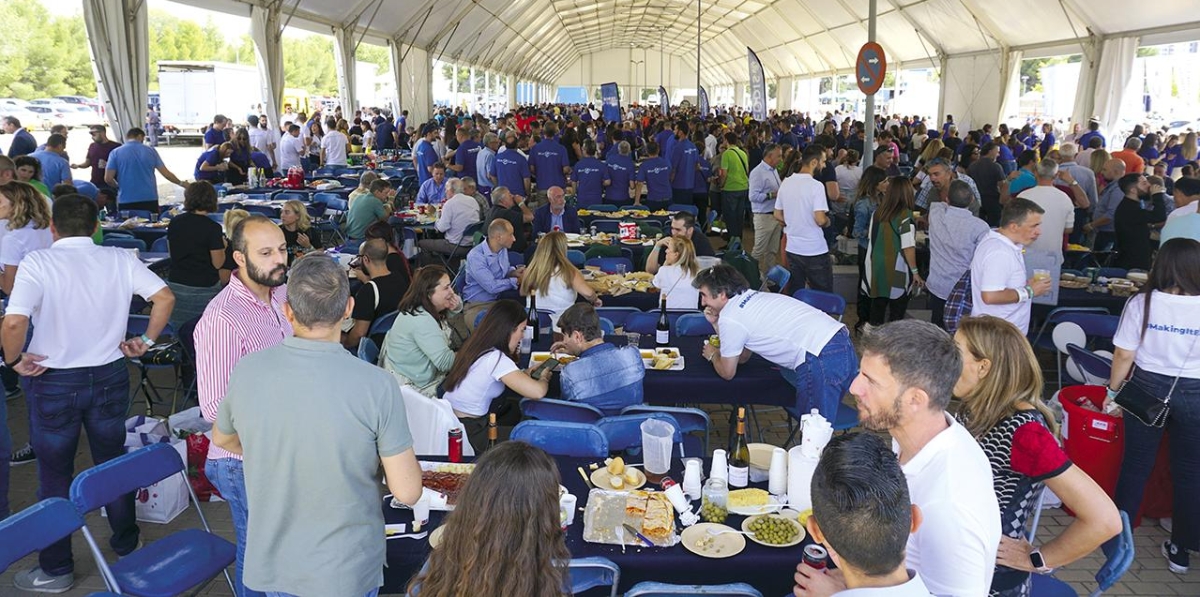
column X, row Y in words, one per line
column 245, row 317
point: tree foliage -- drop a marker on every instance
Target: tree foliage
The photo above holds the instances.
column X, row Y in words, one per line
column 42, row 55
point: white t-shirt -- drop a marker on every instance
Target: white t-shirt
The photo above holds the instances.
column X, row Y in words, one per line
column 1059, row 216
column 1190, row 208
column 482, row 384
column 16, row 244
column 999, row 264
column 334, row 144
column 676, row 284
column 558, row 298
column 260, row 139
column 800, row 196
column 848, row 178
column 777, row 327
column 290, row 150
column 954, row 549
column 1172, row 343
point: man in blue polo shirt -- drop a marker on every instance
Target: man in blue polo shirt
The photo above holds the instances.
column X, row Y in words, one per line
column 590, row 176
column 130, row 170
column 683, row 166
column 424, row 155
column 385, row 135
column 620, row 172
column 215, row 135
column 55, row 168
column 548, row 162
column 666, row 140
column 1093, row 131
column 654, row 175
column 211, row 165
column 512, row 169
column 466, row 157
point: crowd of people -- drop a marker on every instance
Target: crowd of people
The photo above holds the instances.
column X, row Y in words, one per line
column 272, row 319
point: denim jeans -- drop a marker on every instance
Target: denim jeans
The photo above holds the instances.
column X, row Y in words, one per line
column 227, row 476
column 371, row 593
column 61, row 402
column 5, row 454
column 816, row 270
column 1141, row 450
column 822, row 380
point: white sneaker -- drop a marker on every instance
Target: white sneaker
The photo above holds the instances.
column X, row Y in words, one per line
column 1165, row 523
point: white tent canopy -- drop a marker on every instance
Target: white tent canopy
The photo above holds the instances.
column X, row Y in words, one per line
column 969, row 41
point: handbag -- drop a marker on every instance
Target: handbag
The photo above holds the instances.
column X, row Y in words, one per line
column 1147, row 408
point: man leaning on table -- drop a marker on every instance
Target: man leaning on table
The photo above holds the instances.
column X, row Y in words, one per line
column 863, row 515
column 908, row 372
column 812, row 350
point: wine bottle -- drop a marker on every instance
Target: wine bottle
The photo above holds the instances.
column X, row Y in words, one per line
column 491, row 430
column 533, row 320
column 662, row 332
column 739, row 454
column 530, row 325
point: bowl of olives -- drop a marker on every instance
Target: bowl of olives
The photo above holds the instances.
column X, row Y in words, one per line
column 773, row 530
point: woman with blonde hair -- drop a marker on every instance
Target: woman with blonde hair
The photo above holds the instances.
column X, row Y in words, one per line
column 1096, row 163
column 674, row 277
column 28, row 215
column 513, row 492
column 552, row 278
column 930, row 151
column 1001, row 388
column 297, row 230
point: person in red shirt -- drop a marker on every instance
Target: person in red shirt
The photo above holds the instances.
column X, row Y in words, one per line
column 1134, row 164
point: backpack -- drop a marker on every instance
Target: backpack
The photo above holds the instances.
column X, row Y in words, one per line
column 959, row 303
column 745, row 264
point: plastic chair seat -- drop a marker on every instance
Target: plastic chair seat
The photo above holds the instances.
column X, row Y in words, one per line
column 173, row 564
column 1048, row 586
column 660, row 589
column 693, row 324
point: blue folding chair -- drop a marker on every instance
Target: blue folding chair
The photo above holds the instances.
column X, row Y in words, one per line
column 367, row 350
column 1090, row 362
column 383, row 324
column 589, row 573
column 624, row 432
column 779, row 276
column 160, row 245
column 1096, row 322
column 459, row 281
column 551, row 409
column 662, row 589
column 576, row 257
column 515, row 258
column 609, row 226
column 832, row 304
column 693, row 324
column 479, row 318
column 168, row 566
column 617, row 315
column 1120, row 558
column 604, row 207
column 610, row 265
column 692, row 209
column 35, row 528
column 576, row 440
column 263, row 210
column 325, row 171
column 134, row 213
column 335, row 203
column 288, row 195
column 606, row 326
column 125, row 242
column 644, row 322
column 1112, row 272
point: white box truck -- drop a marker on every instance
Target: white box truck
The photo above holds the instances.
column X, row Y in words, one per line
column 191, row 93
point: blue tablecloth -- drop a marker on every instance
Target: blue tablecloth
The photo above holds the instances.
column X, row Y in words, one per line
column 768, row 569
column 147, row 234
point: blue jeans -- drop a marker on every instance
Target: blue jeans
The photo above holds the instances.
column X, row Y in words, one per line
column 61, row 402
column 822, row 380
column 226, row 475
column 371, row 593
column 1141, row 451
column 5, row 454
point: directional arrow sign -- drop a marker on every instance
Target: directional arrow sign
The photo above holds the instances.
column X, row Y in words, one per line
column 870, row 68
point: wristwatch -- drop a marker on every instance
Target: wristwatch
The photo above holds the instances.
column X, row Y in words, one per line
column 1038, row 562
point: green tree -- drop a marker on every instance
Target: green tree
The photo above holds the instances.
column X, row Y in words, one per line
column 42, row 55
column 172, row 38
column 308, row 64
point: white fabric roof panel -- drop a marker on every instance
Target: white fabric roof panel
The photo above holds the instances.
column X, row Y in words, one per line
column 540, row 39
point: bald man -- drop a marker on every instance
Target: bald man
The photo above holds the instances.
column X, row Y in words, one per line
column 490, row 277
column 1106, row 205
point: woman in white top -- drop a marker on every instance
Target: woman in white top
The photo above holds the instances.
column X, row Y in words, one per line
column 484, row 366
column 674, row 278
column 849, row 172
column 553, row 279
column 28, row 217
column 1159, row 339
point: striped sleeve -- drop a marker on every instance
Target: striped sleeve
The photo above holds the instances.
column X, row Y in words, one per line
column 218, row 349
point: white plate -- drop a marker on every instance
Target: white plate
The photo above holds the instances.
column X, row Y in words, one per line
column 796, row 541
column 725, row 545
column 600, row 478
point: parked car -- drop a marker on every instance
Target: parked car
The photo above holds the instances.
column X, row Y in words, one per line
column 48, row 116
column 11, row 102
column 81, row 115
column 70, row 113
column 30, row 120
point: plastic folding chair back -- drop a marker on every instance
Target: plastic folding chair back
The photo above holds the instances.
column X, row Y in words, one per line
column 691, row 421
column 589, row 573
column 479, row 318
column 137, row 213
column 1044, row 341
column 693, row 324
column 625, row 431
column 160, row 245
column 830, row 303
column 515, row 258
column 617, row 315
column 576, row 257
column 1120, row 558
column 692, row 209
column 644, row 322
column 551, row 409
column 606, row 326
column 459, row 282
column 660, row 589
column 610, row 265
column 577, row 440
column 286, row 195
column 124, row 242
column 168, row 566
column 1091, row 363
column 264, row 210
column 35, row 528
column 779, row 276
column 335, row 203
column 609, row 226
column 604, row 207
column 383, row 324
column 368, row 351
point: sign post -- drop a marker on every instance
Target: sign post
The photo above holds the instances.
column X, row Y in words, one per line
column 869, row 70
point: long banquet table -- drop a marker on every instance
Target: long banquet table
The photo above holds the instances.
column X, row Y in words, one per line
column 769, row 569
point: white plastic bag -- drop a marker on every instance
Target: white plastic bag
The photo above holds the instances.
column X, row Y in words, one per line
column 162, row 501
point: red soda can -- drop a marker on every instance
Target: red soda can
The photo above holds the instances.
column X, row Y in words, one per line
column 816, row 556
column 455, row 439
column 667, row 483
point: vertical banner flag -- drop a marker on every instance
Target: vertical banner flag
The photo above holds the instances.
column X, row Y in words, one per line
column 703, row 102
column 664, row 102
column 611, row 96
column 758, row 86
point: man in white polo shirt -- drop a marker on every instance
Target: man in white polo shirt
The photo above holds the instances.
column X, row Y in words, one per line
column 907, row 374
column 804, row 211
column 998, row 283
column 1059, row 217
column 74, row 373
column 812, row 349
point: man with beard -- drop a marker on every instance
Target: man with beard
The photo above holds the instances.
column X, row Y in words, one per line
column 905, row 379
column 245, row 317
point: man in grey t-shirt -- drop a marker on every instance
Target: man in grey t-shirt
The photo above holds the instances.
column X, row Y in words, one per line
column 313, row 424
